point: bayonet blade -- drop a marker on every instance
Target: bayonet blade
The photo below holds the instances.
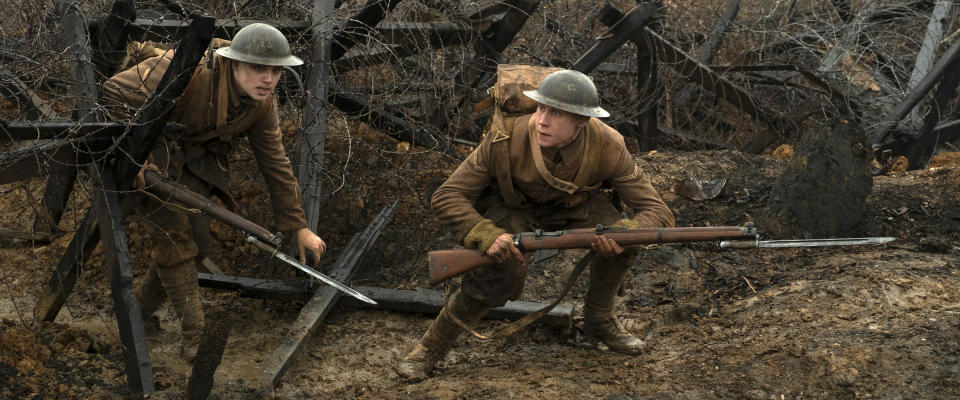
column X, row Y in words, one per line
column 824, row 242
column 751, row 244
column 310, row 271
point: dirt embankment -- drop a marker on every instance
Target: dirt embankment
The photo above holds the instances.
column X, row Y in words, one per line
column 864, row 322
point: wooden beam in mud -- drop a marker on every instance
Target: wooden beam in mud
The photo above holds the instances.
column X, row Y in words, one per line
column 153, row 119
column 272, row 368
column 432, row 301
column 419, row 300
column 116, row 254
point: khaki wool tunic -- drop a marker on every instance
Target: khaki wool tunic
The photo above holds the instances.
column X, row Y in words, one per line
column 206, row 142
column 550, row 187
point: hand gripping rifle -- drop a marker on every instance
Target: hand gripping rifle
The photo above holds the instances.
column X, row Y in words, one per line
column 445, row 264
column 256, row 234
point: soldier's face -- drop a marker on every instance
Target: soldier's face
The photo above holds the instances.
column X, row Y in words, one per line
column 556, row 128
column 256, row 80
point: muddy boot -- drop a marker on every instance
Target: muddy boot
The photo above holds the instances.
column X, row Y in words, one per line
column 598, row 319
column 180, row 283
column 150, row 295
column 439, row 338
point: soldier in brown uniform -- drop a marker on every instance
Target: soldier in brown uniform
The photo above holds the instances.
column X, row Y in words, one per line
column 234, row 97
column 544, row 173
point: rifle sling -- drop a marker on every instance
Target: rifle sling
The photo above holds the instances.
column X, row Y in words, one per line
column 515, row 326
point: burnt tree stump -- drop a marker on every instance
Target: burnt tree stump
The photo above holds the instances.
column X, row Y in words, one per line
column 824, row 189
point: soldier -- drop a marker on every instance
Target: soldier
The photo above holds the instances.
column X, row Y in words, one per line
column 232, row 97
column 544, row 173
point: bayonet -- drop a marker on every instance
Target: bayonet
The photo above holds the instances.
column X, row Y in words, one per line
column 310, row 271
column 755, row 243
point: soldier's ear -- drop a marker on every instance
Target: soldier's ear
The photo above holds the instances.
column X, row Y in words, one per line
column 582, row 121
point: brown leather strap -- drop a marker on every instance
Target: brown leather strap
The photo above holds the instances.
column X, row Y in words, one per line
column 501, row 127
column 515, row 326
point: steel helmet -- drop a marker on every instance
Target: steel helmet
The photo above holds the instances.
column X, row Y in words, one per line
column 570, row 91
column 260, row 43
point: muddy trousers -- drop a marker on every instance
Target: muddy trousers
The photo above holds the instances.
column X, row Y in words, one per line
column 179, row 284
column 173, row 273
column 606, row 277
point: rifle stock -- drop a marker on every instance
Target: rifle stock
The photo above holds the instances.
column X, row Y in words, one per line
column 168, row 191
column 445, row 264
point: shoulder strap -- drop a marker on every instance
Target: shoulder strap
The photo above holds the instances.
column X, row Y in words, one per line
column 501, row 128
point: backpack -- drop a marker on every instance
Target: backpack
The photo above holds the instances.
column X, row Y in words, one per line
column 509, row 102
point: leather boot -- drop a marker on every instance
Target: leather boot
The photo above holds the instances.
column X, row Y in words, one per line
column 439, row 338
column 150, row 295
column 180, row 283
column 598, row 319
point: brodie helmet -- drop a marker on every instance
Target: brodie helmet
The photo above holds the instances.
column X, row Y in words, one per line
column 260, row 43
column 570, row 91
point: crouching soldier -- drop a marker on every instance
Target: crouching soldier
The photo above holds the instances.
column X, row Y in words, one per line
column 232, row 96
column 544, row 172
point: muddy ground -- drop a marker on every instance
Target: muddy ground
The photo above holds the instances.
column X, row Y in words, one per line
column 858, row 322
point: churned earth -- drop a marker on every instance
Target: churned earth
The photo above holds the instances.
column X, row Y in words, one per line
column 854, row 322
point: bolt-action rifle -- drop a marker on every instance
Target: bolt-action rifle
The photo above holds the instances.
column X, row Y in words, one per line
column 257, row 235
column 445, row 264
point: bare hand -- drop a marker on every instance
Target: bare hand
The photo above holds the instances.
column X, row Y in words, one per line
column 307, row 240
column 139, row 182
column 606, row 247
column 503, row 250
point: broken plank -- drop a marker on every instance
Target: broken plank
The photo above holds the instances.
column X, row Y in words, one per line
column 25, row 99
column 436, row 34
column 919, row 150
column 356, row 28
column 136, row 355
column 378, row 55
column 618, row 34
column 167, row 30
column 419, row 300
column 710, row 48
column 701, row 74
column 386, row 122
column 272, row 368
column 48, row 158
column 13, row 131
column 931, row 43
column 946, row 61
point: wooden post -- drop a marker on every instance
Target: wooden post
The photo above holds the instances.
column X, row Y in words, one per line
column 60, row 183
column 309, row 166
column 110, row 45
column 136, row 355
column 272, row 368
